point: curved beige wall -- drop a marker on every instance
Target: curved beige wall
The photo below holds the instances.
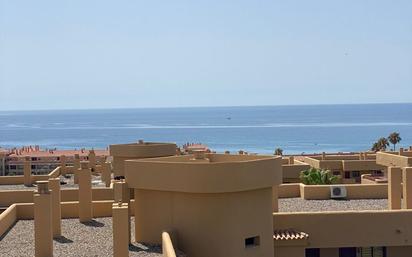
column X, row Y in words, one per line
column 166, row 174
column 213, row 204
column 122, row 152
column 144, row 150
column 207, row 224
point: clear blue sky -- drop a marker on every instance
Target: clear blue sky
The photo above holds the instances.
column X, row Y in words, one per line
column 104, row 54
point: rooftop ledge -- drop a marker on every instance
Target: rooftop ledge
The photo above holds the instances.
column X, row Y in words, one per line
column 210, row 173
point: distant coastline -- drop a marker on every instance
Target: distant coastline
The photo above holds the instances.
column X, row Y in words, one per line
column 258, row 129
column 201, row 107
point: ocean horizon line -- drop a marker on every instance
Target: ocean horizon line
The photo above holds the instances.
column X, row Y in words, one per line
column 200, row 107
column 271, row 125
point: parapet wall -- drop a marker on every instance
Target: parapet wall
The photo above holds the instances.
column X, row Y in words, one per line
column 8, row 218
column 322, row 192
column 24, row 211
column 167, row 245
column 389, row 159
column 359, row 165
column 344, row 163
column 324, row 164
column 289, row 190
column 354, row 191
column 291, row 172
column 19, row 179
column 167, row 174
column 123, row 152
column 348, row 229
column 8, row 197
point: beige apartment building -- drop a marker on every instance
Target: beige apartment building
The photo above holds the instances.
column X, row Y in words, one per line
column 42, row 160
column 205, row 204
column 354, row 233
column 3, row 155
column 349, row 167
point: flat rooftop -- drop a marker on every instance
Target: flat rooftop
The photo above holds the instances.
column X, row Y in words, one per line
column 89, row 239
column 301, row 205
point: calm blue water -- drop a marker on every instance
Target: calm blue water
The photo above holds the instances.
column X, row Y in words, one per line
column 296, row 129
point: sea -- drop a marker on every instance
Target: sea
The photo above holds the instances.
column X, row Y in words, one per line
column 256, row 129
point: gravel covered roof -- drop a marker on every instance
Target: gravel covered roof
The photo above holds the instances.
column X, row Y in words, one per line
column 301, row 205
column 90, row 239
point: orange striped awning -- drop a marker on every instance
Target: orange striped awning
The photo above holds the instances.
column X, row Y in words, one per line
column 289, row 234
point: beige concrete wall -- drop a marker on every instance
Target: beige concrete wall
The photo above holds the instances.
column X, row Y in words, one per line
column 328, row 164
column 312, row 162
column 345, row 163
column 342, row 157
column 291, row 251
column 394, row 187
column 55, row 173
column 25, row 211
column 381, row 180
column 121, row 228
column 291, row 180
column 215, row 218
column 388, row 159
column 35, row 178
column 118, row 165
column 8, row 197
column 8, row 218
column 11, row 180
column 354, row 191
column 347, row 181
column 214, row 202
column 216, row 178
column 407, row 188
column 291, row 172
column 329, row 252
column 70, row 209
column 379, row 191
column 361, row 165
column 348, row 229
column 331, row 164
column 18, row 211
column 98, row 194
column 167, row 245
column 289, row 190
column 19, row 179
column 399, row 251
column 122, row 152
column 406, row 153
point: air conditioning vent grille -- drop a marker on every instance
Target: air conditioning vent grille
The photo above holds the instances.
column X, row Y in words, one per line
column 338, row 192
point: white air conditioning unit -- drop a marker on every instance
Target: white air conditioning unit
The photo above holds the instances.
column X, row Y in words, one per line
column 337, row 192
